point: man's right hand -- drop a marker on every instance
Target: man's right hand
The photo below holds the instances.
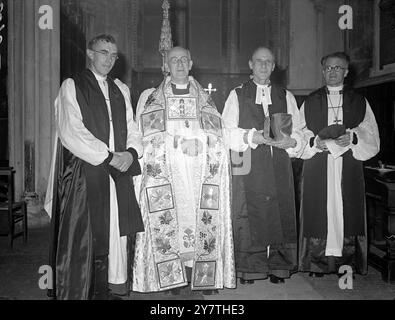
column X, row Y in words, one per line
column 121, row 161
column 321, row 144
column 258, row 138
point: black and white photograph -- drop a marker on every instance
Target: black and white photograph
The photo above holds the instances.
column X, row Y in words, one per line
column 212, row 153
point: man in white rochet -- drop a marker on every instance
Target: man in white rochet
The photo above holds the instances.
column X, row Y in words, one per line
column 90, row 194
column 263, row 120
column 342, row 132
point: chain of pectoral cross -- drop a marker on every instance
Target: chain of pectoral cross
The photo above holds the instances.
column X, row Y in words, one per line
column 336, row 114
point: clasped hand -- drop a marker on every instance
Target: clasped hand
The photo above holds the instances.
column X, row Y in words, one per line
column 342, row 141
column 285, row 143
column 191, row 147
column 122, row 161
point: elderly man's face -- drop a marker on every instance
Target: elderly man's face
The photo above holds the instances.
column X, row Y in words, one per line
column 262, row 65
column 103, row 56
column 334, row 71
column 179, row 65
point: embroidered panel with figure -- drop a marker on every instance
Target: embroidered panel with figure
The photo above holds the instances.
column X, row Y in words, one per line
column 153, row 122
column 205, row 272
column 181, row 108
column 210, row 197
column 211, row 123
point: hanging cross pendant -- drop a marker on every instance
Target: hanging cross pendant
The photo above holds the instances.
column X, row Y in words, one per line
column 187, row 123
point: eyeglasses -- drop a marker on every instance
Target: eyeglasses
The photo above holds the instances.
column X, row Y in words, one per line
column 175, row 60
column 336, row 68
column 105, row 53
column 261, row 62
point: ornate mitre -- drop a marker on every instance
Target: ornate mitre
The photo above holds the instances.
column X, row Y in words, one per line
column 165, row 43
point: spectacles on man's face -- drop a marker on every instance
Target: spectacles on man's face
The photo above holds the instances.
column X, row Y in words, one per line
column 106, row 54
column 336, row 68
column 175, row 60
column 263, row 63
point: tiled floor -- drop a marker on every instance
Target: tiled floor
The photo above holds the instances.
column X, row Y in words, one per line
column 19, row 279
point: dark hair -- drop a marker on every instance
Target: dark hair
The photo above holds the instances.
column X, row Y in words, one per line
column 101, row 37
column 341, row 55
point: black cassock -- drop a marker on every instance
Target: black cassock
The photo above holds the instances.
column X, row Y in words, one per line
column 81, row 207
column 263, row 206
column 314, row 193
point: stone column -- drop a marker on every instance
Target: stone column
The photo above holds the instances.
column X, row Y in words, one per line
column 34, row 76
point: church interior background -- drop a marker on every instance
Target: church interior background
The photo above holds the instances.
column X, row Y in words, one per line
column 221, row 35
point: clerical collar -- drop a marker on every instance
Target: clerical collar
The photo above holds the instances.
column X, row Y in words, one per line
column 263, row 85
column 262, row 95
column 334, row 90
column 98, row 76
column 180, row 89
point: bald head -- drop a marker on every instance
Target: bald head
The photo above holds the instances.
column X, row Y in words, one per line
column 178, row 50
column 179, row 63
column 265, row 50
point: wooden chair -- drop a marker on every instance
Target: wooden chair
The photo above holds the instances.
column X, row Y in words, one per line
column 11, row 212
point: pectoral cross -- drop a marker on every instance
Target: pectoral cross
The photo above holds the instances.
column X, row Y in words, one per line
column 210, row 89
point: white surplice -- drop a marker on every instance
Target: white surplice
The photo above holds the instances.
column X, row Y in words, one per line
column 83, row 144
column 368, row 145
column 234, row 134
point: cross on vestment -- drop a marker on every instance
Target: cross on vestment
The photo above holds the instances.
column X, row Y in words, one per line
column 210, row 88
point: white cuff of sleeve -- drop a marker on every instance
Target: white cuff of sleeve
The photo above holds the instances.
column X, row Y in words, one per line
column 249, row 138
column 298, row 146
column 352, row 131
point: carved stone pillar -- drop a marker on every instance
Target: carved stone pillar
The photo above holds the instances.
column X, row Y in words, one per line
column 33, row 78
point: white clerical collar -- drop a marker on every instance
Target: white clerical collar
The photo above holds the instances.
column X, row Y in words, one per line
column 180, row 86
column 98, row 76
column 335, row 90
column 262, row 85
column 262, row 95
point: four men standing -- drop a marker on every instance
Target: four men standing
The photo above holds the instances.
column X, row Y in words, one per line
column 187, row 200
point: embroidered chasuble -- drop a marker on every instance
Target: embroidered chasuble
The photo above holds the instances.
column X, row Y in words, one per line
column 184, row 192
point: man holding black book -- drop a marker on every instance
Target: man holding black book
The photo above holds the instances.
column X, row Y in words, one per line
column 263, row 126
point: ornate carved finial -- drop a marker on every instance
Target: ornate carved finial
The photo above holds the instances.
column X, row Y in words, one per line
column 165, row 43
